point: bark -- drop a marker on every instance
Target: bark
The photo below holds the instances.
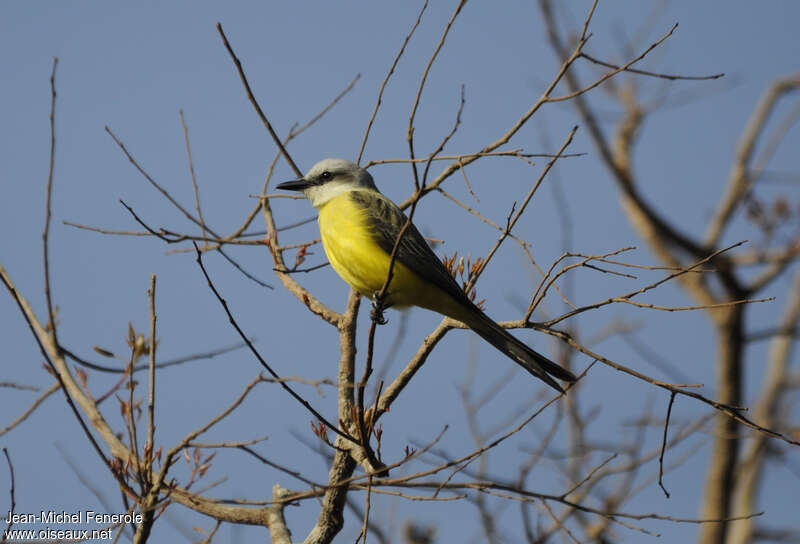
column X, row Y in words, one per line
column 721, row 476
column 768, row 413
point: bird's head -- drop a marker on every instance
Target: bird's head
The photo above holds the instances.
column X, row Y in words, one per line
column 328, row 179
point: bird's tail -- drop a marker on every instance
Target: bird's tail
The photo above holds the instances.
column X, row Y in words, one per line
column 535, row 363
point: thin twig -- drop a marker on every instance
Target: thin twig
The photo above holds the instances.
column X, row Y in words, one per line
column 51, row 312
column 506, row 137
column 235, row 444
column 19, row 386
column 151, row 420
column 366, row 510
column 615, row 71
column 143, row 366
column 461, row 156
column 664, row 445
column 255, row 103
column 12, row 493
column 51, row 349
column 129, row 412
column 258, row 356
column 169, row 458
column 589, row 475
column 423, row 79
column 651, row 74
column 708, row 258
column 734, row 412
column 692, row 307
column 386, row 80
column 193, row 176
column 163, row 235
column 274, row 465
column 511, row 222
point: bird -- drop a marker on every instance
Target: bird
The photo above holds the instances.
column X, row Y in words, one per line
column 359, row 227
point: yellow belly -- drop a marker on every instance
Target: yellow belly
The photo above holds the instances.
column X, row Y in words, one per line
column 359, row 260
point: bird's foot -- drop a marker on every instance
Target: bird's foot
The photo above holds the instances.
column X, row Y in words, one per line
column 376, row 313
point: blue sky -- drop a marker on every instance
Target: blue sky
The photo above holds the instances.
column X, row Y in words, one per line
column 132, row 68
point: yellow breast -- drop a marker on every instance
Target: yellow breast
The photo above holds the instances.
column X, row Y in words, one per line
column 356, row 257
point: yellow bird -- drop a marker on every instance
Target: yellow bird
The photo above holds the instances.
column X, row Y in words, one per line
column 359, row 228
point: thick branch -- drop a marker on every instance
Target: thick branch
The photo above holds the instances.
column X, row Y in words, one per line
column 739, row 180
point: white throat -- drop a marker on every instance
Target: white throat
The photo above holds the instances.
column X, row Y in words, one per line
column 318, row 195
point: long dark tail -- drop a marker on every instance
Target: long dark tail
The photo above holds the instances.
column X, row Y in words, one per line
column 535, row 363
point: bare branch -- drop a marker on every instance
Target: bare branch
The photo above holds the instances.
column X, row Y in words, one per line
column 261, row 360
column 39, row 400
column 611, row 74
column 51, row 311
column 651, row 74
column 423, row 79
column 278, row 531
column 510, row 224
column 664, row 444
column 151, row 394
column 72, row 391
column 669, row 277
column 386, row 80
column 12, row 494
column 193, row 176
column 255, row 103
column 739, row 181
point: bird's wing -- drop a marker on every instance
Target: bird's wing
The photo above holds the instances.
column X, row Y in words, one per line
column 414, row 251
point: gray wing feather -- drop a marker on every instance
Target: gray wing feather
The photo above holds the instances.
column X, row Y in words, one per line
column 416, row 254
column 414, row 251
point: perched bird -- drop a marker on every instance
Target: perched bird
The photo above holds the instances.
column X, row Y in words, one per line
column 359, row 228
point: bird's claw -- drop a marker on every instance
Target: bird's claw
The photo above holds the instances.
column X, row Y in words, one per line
column 376, row 314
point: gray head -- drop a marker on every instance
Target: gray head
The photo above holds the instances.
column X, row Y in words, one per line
column 330, row 178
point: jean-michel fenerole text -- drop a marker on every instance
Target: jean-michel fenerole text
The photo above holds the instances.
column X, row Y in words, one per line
column 78, row 517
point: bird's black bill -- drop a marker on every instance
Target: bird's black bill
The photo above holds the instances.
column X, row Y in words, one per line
column 294, row 185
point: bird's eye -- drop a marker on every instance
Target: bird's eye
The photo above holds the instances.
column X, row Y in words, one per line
column 325, row 176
